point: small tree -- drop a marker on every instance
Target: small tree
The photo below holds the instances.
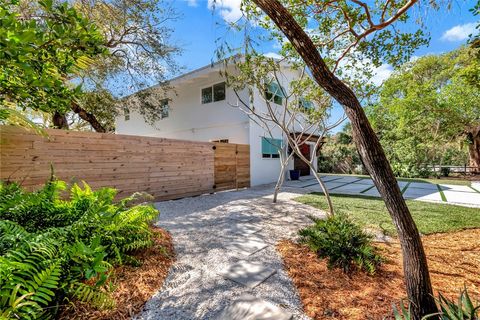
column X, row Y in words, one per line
column 334, row 38
column 299, row 116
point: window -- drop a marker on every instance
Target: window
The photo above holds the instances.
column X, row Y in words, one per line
column 307, row 105
column 126, row 113
column 214, row 93
column 219, row 92
column 164, row 108
column 274, row 92
column 271, row 147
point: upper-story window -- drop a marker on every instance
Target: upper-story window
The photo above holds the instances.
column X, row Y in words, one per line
column 274, row 92
column 126, row 113
column 305, row 104
column 164, row 108
column 214, row 93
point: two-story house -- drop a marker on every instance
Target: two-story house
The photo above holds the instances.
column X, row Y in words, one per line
column 201, row 107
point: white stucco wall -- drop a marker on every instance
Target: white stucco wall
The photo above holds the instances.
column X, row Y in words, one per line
column 267, row 170
column 189, row 119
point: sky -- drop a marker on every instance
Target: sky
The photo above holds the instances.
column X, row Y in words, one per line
column 203, row 22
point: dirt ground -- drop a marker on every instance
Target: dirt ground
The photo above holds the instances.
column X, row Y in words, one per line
column 133, row 285
column 454, row 261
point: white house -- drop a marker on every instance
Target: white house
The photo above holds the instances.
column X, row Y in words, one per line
column 200, row 107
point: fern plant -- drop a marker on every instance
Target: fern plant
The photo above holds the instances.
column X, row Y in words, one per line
column 54, row 249
column 344, row 244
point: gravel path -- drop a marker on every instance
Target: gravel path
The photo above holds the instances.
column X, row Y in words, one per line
column 202, row 229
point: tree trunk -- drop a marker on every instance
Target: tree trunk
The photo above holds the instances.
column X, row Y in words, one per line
column 281, row 177
column 89, row 117
column 415, row 266
column 59, row 120
column 474, row 149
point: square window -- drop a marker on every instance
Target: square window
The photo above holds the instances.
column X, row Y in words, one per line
column 271, row 147
column 164, row 108
column 219, row 92
column 207, row 95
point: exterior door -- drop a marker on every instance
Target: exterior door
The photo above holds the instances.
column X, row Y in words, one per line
column 299, row 164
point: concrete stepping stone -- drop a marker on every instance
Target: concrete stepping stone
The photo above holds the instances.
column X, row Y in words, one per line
column 242, row 228
column 241, row 216
column 329, row 178
column 248, row 307
column 246, row 273
column 348, row 179
column 246, row 246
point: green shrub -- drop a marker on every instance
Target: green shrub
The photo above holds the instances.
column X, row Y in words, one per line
column 462, row 309
column 53, row 250
column 344, row 244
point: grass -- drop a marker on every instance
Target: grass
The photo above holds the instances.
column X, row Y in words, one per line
column 371, row 212
column 460, row 182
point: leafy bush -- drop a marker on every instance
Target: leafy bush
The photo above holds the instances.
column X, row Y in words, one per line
column 52, row 250
column 344, row 244
column 462, row 309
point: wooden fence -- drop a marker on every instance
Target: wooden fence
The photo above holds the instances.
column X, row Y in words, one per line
column 165, row 168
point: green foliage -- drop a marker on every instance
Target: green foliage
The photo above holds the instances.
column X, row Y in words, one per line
column 344, row 244
column 462, row 309
column 339, row 154
column 426, row 111
column 54, row 249
column 38, row 52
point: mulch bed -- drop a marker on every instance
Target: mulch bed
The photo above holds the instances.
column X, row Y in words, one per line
column 133, row 285
column 454, row 261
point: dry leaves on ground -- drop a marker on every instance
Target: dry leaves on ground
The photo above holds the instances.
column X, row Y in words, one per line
column 454, row 260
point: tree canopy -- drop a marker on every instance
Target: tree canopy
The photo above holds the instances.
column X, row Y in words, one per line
column 428, row 110
column 37, row 55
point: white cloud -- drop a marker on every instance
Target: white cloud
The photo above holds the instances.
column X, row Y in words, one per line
column 381, row 74
column 192, row 3
column 272, row 55
column 460, row 32
column 228, row 9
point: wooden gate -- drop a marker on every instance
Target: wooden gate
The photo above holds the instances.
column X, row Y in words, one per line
column 232, row 166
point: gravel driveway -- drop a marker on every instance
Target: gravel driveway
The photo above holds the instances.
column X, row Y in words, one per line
column 206, row 230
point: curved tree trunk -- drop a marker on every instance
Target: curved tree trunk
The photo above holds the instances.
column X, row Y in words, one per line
column 474, row 149
column 415, row 266
column 59, row 121
column 89, row 117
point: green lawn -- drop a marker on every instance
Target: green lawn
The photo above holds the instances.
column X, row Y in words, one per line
column 433, row 180
column 371, row 212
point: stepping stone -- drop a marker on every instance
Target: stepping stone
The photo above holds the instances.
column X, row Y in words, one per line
column 240, row 216
column 372, row 192
column 242, row 228
column 249, row 274
column 246, row 246
column 248, row 307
